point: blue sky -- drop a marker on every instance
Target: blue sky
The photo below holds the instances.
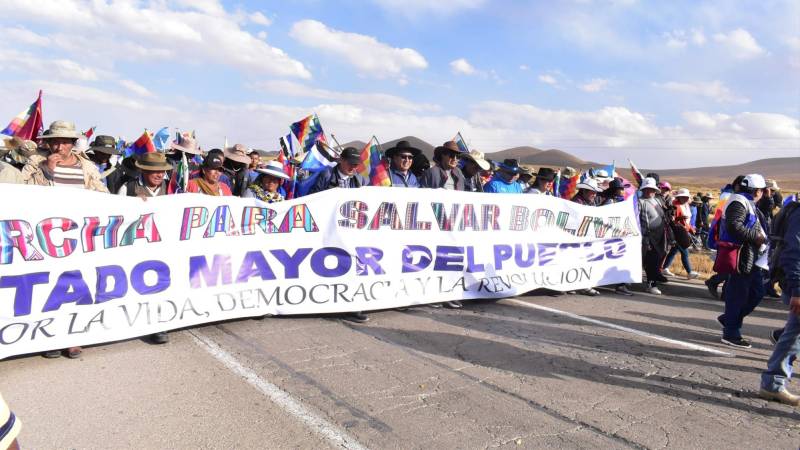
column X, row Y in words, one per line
column 668, row 84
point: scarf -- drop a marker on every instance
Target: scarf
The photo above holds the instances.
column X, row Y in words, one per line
column 206, row 188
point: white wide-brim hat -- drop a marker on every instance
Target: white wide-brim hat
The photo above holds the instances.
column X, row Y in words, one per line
column 274, row 169
column 649, row 183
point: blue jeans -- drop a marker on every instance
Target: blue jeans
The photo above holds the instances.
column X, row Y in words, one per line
column 741, row 293
column 684, row 258
column 779, row 366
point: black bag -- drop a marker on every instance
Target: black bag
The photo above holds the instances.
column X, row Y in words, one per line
column 681, row 235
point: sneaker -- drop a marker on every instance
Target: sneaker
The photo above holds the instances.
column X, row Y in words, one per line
column 775, row 335
column 160, row 338
column 712, row 289
column 455, row 304
column 666, row 272
column 782, row 396
column 736, row 342
column 692, row 275
column 435, row 305
column 771, row 293
column 654, row 290
column 74, row 352
column 623, row 290
column 357, row 317
column 591, row 292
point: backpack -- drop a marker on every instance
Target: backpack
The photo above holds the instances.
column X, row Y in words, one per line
column 776, row 235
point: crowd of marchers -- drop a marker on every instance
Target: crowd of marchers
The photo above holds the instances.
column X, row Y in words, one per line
column 752, row 232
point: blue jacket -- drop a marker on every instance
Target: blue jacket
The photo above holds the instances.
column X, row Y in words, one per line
column 498, row 185
column 790, row 257
column 398, row 180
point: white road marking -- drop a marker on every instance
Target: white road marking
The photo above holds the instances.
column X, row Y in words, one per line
column 656, row 337
column 327, row 430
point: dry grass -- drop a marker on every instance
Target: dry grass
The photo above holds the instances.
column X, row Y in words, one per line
column 701, row 262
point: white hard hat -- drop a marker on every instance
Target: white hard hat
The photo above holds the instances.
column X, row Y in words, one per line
column 754, row 181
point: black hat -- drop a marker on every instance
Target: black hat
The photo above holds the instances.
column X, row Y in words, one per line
column 615, row 184
column 402, row 146
column 104, row 144
column 546, row 174
column 510, row 165
column 213, row 161
column 351, row 155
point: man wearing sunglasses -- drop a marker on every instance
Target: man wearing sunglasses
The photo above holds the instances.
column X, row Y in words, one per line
column 401, row 156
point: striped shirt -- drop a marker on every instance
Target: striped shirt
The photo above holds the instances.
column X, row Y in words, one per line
column 71, row 176
column 9, row 425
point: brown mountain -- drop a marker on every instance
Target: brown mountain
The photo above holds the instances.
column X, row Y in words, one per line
column 519, row 153
column 785, row 170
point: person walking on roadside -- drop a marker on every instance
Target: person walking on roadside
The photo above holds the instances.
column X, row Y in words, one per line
column 472, row 165
column 401, row 156
column 445, row 173
column 742, row 227
column 208, row 182
column 787, row 347
column 504, row 180
column 10, row 427
column 615, row 193
column 587, row 196
column 344, row 175
column 153, row 168
column 65, row 167
column 543, row 183
column 682, row 218
column 654, row 236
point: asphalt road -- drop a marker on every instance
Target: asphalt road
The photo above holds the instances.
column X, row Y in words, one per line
column 494, row 374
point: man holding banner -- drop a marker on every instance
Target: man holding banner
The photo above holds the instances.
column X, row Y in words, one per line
column 344, row 175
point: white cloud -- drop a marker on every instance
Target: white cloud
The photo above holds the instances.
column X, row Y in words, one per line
column 59, row 68
column 415, row 7
column 524, row 67
column 793, row 43
column 715, row 90
column 594, row 85
column 548, row 79
column 372, row 100
column 136, row 88
column 740, row 43
column 25, row 36
column 681, row 38
column 462, row 66
column 259, row 18
column 367, row 54
column 203, row 30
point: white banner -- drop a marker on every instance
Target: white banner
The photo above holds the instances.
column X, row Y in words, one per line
column 79, row 267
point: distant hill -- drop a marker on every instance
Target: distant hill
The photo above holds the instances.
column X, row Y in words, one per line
column 520, row 153
column 785, row 170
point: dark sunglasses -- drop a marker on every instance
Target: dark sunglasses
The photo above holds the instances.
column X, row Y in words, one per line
column 405, row 156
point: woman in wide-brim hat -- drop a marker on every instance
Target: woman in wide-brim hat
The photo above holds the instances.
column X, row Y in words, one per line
column 267, row 185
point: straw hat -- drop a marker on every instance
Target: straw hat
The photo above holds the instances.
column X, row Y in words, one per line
column 237, row 153
column 61, row 129
column 478, row 158
column 186, row 144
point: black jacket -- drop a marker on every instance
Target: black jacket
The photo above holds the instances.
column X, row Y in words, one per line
column 735, row 218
